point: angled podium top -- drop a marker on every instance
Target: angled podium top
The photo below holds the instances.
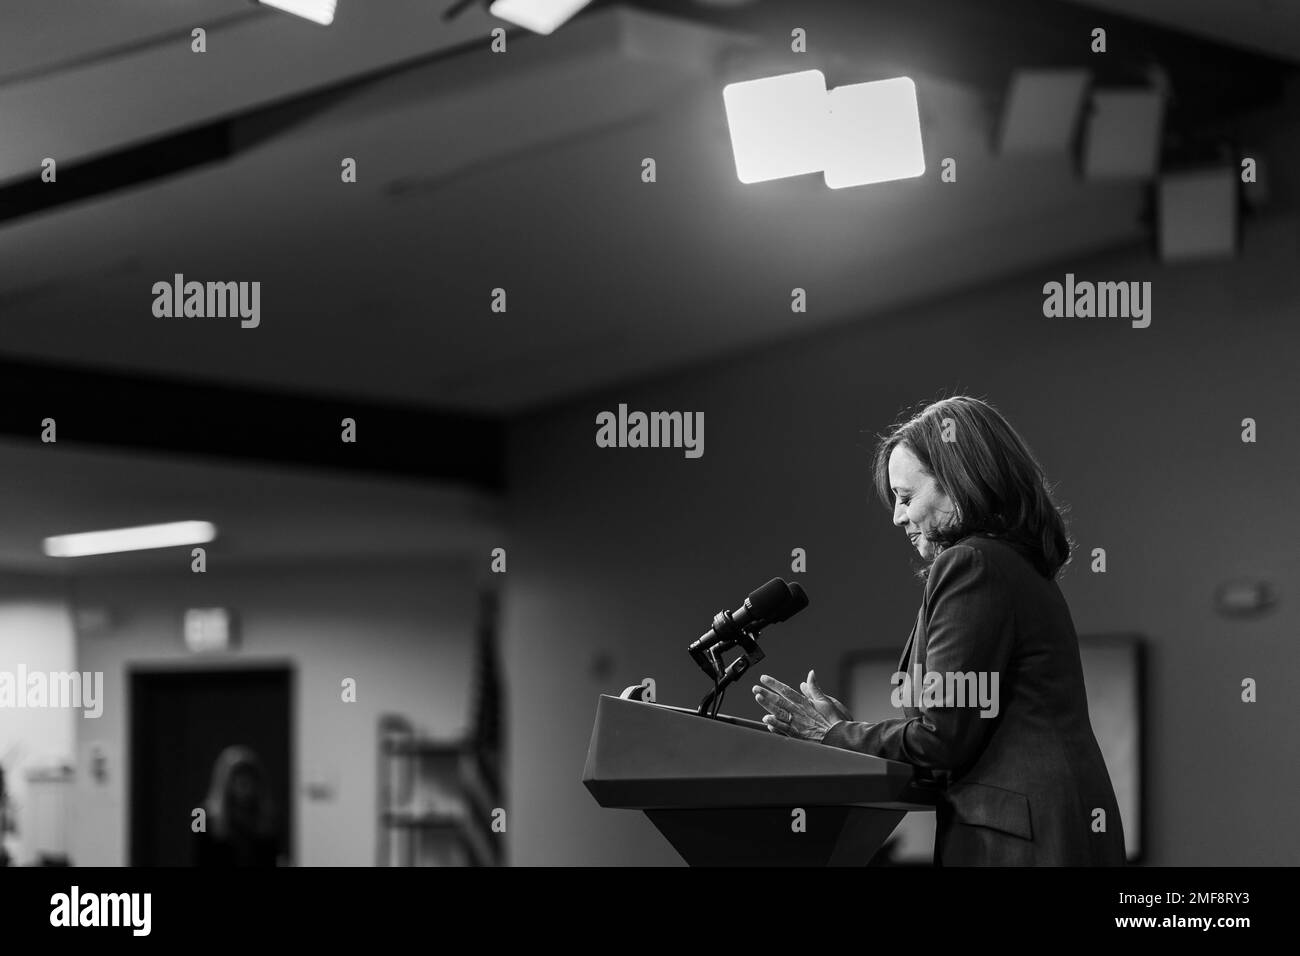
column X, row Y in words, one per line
column 648, row 756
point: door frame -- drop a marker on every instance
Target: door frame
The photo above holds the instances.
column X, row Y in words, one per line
column 180, row 667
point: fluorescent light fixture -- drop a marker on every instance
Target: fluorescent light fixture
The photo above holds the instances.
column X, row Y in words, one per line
column 874, row 134
column 172, row 535
column 540, row 16
column 790, row 125
column 317, row 11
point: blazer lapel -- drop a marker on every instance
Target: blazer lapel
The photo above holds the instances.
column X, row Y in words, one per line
column 907, row 651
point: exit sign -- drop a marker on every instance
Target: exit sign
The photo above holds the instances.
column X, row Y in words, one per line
column 208, row 630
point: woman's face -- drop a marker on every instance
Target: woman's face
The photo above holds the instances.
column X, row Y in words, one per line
column 244, row 791
column 919, row 505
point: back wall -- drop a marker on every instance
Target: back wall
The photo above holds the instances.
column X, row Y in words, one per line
column 620, row 557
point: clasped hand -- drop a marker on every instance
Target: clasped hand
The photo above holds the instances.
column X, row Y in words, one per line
column 806, row 716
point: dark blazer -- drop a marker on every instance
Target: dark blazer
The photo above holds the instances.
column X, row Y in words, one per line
column 1022, row 788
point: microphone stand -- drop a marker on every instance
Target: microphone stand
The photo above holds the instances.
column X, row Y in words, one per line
column 724, row 677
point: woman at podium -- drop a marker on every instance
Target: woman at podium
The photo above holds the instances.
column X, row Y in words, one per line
column 1025, row 780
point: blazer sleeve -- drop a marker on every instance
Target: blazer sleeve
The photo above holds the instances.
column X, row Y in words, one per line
column 971, row 627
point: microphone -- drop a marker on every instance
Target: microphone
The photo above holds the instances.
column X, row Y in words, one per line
column 798, row 601
column 774, row 602
column 767, row 605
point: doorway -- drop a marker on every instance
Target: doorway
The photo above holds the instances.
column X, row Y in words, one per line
column 181, row 721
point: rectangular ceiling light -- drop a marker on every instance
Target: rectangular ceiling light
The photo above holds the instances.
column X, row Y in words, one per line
column 778, row 125
column 540, row 16
column 317, row 11
column 1198, row 214
column 1124, row 130
column 874, row 134
column 172, row 535
column 791, row 125
column 1043, row 111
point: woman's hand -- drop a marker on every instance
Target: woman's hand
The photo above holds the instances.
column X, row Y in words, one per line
column 826, row 705
column 794, row 715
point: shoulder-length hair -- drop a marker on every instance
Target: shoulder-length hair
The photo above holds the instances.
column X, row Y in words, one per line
column 217, row 805
column 998, row 487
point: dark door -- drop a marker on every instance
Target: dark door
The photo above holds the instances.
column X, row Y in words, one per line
column 181, row 721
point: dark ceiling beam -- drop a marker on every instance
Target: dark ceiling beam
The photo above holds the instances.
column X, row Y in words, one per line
column 116, row 171
column 172, row 416
column 156, row 159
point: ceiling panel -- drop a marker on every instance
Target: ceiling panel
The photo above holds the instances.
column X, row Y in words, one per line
column 473, row 177
column 1266, row 26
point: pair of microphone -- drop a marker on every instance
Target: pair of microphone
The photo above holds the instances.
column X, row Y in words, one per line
column 774, row 602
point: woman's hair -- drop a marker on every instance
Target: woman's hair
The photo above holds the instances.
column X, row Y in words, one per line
column 217, row 805
column 996, row 484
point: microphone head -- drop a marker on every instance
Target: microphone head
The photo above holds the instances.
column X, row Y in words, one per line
column 798, row 600
column 800, row 597
column 769, row 600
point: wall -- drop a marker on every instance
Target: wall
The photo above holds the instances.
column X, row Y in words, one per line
column 619, row 558
column 403, row 629
column 36, row 631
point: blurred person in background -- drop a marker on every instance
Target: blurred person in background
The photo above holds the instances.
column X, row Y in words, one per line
column 241, row 823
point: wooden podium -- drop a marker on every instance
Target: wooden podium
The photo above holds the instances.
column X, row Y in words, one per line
column 723, row 790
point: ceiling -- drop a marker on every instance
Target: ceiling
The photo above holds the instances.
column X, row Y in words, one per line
column 1266, row 26
column 262, row 514
column 476, row 172
column 479, row 172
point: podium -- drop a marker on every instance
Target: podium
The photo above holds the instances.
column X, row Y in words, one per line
column 724, row 790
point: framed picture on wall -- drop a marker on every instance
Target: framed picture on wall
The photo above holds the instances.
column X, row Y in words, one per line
column 1114, row 674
